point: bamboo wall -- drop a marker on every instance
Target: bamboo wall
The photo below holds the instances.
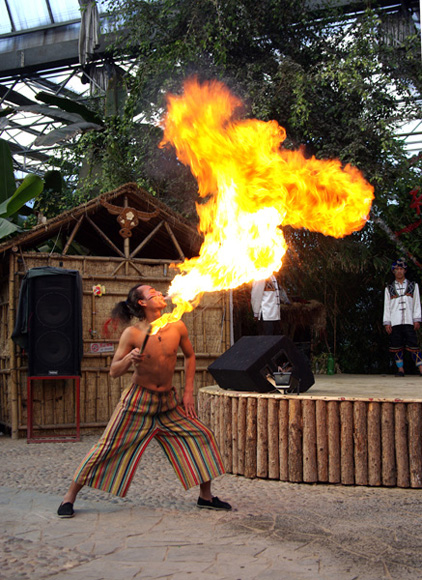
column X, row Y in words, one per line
column 316, row 440
column 54, row 404
column 5, row 332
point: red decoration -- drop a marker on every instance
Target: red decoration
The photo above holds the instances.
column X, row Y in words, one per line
column 416, row 205
column 416, row 201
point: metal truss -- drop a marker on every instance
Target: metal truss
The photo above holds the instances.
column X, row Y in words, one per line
column 22, row 128
column 55, row 69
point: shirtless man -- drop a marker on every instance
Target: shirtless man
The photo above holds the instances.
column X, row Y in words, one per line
column 149, row 408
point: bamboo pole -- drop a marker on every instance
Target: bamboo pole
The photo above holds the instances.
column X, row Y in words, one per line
column 14, row 387
column 235, row 434
column 227, row 433
column 227, row 322
column 322, row 440
column 310, row 471
column 146, row 240
column 195, row 333
column 388, row 463
column 204, row 408
column 93, row 314
column 126, row 242
column 250, row 448
column 262, row 438
column 42, row 256
column 241, row 443
column 295, row 441
column 105, row 238
column 374, row 444
column 213, row 420
column 401, row 444
column 415, row 444
column 333, row 420
column 283, row 433
column 273, row 438
column 360, row 443
column 346, row 443
column 72, row 235
column 174, row 240
column 220, row 426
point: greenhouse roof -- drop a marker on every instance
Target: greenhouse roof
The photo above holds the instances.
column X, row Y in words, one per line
column 40, row 51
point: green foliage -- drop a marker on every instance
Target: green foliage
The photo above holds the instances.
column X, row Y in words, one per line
column 13, row 200
column 71, row 107
column 29, row 189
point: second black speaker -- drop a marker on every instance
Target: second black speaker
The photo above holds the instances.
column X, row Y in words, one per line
column 247, row 364
column 54, row 322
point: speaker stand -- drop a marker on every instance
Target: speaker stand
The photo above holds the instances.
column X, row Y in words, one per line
column 30, row 421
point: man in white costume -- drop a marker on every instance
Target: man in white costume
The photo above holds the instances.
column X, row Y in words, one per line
column 402, row 317
column 266, row 297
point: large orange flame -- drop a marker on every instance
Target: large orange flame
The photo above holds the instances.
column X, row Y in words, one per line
column 252, row 186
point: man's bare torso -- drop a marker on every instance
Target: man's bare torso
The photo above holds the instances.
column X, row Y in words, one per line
column 156, row 370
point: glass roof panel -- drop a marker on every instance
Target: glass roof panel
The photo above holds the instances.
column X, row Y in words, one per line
column 27, row 14
column 5, row 24
column 35, row 13
column 64, row 10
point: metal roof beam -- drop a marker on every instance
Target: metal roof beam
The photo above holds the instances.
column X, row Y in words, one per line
column 14, row 97
column 57, row 89
column 50, row 12
column 12, row 23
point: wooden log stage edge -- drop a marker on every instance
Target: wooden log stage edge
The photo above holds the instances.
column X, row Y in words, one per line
column 346, row 429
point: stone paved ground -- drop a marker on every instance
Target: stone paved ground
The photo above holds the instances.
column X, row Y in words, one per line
column 276, row 530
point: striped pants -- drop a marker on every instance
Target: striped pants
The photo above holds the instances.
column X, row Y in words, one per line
column 141, row 415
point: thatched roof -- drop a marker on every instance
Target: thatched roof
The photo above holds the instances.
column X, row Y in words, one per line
column 164, row 235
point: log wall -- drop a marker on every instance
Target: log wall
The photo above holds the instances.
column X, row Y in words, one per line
column 316, row 439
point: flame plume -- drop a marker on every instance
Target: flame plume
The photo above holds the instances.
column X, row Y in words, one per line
column 250, row 186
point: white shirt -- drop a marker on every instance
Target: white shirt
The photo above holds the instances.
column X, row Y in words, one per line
column 266, row 297
column 400, row 307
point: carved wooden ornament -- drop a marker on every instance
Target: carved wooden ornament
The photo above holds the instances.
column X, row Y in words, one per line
column 128, row 217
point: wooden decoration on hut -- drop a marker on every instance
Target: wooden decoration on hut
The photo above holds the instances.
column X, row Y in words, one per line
column 128, row 217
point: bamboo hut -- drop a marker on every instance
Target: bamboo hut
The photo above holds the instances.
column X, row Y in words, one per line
column 120, row 238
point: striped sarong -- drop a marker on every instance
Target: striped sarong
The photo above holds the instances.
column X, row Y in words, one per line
column 139, row 416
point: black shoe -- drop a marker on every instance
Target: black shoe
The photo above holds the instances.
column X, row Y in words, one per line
column 65, row 510
column 214, row 504
column 399, row 374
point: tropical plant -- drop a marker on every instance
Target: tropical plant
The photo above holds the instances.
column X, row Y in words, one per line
column 13, row 200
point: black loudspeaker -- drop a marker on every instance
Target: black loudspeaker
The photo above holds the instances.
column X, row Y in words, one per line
column 245, row 366
column 54, row 321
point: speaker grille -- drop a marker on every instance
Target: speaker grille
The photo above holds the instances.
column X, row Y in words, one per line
column 53, row 309
column 52, row 349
